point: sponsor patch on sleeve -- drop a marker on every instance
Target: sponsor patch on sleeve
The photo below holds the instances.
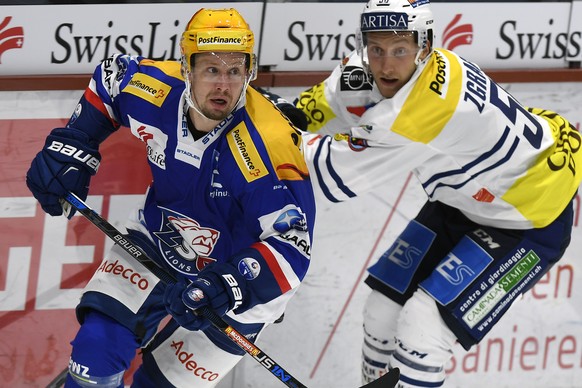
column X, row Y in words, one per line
column 148, row 88
column 354, row 78
column 315, row 105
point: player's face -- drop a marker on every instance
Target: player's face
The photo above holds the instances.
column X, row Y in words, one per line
column 391, row 58
column 217, row 82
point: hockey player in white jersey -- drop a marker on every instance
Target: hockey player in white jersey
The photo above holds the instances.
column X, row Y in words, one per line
column 229, row 212
column 500, row 180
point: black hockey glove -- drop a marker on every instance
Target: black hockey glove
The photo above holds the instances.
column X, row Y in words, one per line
column 294, row 114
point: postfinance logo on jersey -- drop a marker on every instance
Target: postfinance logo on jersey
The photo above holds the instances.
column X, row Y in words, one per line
column 148, row 88
column 245, row 153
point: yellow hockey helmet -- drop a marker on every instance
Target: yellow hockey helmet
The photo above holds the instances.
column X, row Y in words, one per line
column 218, row 30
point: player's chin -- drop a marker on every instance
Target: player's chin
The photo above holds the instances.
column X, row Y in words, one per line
column 219, row 111
column 389, row 89
column 388, row 93
column 218, row 114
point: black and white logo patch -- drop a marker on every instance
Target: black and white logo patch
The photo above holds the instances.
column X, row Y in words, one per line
column 354, row 78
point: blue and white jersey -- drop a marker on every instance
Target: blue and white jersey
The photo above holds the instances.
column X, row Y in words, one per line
column 240, row 194
column 468, row 141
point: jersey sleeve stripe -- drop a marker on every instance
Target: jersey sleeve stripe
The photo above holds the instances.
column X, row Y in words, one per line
column 327, row 142
column 473, row 163
column 506, row 158
column 97, row 103
column 274, row 265
column 325, row 190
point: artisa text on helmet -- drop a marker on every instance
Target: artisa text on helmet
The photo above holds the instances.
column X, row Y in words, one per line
column 384, row 20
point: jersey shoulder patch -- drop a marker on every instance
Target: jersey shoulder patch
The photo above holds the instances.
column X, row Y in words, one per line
column 148, row 88
column 281, row 139
column 354, row 78
column 154, row 81
column 433, row 100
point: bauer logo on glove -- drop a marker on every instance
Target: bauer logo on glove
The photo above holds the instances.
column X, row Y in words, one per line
column 235, row 289
column 78, row 154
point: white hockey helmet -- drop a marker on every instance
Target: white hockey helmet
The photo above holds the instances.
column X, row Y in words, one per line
column 396, row 15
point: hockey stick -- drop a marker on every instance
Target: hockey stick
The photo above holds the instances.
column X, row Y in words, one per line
column 59, row 380
column 386, row 381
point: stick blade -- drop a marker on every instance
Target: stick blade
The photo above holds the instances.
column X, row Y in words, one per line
column 389, row 380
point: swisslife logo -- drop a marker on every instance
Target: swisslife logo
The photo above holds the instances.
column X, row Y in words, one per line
column 154, row 139
column 457, row 33
column 515, row 38
column 10, row 37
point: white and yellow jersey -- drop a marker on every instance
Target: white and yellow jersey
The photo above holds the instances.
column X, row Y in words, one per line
column 468, row 141
column 339, row 101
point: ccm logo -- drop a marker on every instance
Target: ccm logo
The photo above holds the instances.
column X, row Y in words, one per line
column 83, row 157
column 236, row 291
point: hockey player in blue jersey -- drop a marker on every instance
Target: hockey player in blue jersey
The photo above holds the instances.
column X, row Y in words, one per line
column 500, row 180
column 230, row 208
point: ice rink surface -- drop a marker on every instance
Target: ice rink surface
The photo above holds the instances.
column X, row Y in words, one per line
column 319, row 340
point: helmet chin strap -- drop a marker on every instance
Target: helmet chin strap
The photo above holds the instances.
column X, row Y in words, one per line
column 417, row 60
column 194, row 106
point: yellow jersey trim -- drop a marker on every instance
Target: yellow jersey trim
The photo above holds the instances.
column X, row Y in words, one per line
column 432, row 101
column 281, row 139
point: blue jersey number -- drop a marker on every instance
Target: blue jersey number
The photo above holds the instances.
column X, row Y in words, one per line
column 534, row 132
